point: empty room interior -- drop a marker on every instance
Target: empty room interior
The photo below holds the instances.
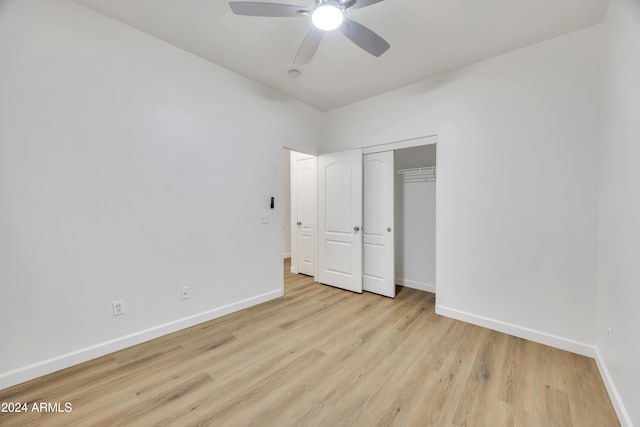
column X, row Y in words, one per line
column 232, row 213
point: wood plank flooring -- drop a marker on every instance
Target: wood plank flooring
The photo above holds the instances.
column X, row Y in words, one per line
column 321, row 356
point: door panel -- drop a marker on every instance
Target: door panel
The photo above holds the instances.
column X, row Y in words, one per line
column 378, row 234
column 338, row 198
column 339, row 257
column 306, row 255
column 340, row 219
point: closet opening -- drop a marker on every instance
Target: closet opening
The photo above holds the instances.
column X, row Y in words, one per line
column 415, row 217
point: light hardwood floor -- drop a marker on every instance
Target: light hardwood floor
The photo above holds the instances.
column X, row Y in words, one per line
column 321, row 356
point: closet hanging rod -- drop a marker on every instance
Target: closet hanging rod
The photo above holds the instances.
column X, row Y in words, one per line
column 417, row 170
column 424, row 174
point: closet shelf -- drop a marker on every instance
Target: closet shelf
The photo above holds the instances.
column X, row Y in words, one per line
column 426, row 174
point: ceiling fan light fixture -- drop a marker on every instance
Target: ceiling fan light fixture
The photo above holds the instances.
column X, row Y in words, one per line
column 327, row 17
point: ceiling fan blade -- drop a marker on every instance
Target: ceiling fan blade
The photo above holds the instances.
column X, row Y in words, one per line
column 308, row 47
column 364, row 37
column 359, row 4
column 249, row 8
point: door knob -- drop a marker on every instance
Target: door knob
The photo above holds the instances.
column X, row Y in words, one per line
column 356, row 228
column 389, row 229
column 298, row 223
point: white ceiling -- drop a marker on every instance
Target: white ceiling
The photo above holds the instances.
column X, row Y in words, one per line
column 427, row 37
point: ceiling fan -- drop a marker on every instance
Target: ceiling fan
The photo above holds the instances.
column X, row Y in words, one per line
column 326, row 15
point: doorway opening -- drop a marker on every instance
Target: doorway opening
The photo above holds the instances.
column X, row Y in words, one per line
column 300, row 217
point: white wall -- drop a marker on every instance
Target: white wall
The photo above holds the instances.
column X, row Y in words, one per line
column 619, row 211
column 517, row 183
column 128, row 168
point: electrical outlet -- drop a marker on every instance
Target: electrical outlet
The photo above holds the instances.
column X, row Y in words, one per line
column 185, row 292
column 118, row 307
column 264, row 218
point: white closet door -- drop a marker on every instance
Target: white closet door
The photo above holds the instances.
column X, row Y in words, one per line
column 340, row 219
column 378, row 273
column 304, row 179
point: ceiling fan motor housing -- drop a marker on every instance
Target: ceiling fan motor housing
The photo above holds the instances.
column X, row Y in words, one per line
column 343, row 5
column 326, row 15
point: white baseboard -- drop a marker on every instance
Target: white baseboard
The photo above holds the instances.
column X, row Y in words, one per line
column 520, row 331
column 621, row 411
column 35, row 370
column 416, row 285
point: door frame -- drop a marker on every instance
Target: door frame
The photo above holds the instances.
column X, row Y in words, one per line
column 293, row 227
column 288, row 183
column 398, row 145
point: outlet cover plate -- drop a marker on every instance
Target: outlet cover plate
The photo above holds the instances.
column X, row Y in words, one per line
column 118, row 307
